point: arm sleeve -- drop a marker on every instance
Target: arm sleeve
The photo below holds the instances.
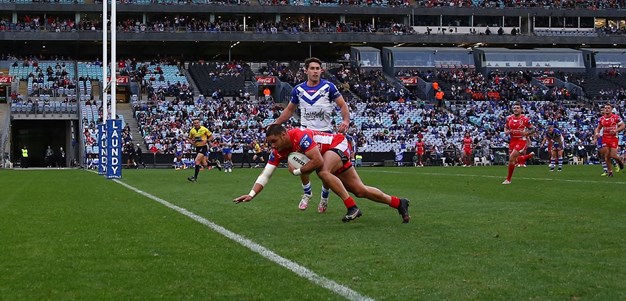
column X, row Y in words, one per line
column 306, row 142
column 274, row 158
column 334, row 93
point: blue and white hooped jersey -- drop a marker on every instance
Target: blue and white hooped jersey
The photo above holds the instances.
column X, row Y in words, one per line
column 316, row 104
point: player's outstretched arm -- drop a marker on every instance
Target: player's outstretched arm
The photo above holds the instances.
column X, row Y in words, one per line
column 256, row 189
column 258, row 186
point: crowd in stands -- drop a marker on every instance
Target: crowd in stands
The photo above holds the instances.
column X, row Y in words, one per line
column 50, row 78
column 482, row 111
column 184, row 2
column 50, row 23
column 154, row 77
column 370, row 86
column 165, row 117
column 30, row 60
column 179, row 23
column 290, row 73
column 581, row 4
column 377, row 124
column 612, row 95
column 610, row 30
column 565, row 4
column 384, row 117
column 392, row 3
column 166, row 121
column 512, row 85
column 191, row 24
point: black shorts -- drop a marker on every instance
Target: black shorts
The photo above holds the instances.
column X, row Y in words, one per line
column 347, row 163
column 201, row 150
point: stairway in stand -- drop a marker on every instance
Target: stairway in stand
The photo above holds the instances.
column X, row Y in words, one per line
column 23, row 89
column 125, row 110
column 4, row 114
column 96, row 90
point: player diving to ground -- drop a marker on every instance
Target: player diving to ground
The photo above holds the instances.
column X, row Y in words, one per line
column 329, row 156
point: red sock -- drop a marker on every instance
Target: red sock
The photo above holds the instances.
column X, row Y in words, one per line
column 522, row 158
column 395, row 202
column 511, row 169
column 349, row 202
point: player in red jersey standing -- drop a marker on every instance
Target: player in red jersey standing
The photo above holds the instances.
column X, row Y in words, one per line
column 519, row 127
column 329, row 156
column 467, row 150
column 610, row 124
column 419, row 152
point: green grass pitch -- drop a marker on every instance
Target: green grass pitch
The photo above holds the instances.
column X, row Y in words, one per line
column 73, row 235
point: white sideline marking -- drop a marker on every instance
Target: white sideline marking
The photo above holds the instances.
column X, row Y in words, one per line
column 259, row 249
column 496, row 177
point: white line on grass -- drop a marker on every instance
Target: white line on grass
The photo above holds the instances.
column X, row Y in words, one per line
column 301, row 271
column 496, row 177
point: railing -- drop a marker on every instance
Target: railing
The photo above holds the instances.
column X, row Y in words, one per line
column 51, row 109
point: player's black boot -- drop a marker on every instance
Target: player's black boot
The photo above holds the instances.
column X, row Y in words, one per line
column 403, row 209
column 353, row 213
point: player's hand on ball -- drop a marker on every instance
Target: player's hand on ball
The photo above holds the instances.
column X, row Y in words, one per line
column 242, row 199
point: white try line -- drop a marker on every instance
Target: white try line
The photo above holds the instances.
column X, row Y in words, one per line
column 493, row 177
column 259, row 249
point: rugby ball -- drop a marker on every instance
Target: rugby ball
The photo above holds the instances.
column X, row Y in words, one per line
column 297, row 160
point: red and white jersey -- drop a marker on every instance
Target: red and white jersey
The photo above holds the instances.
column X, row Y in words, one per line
column 609, row 126
column 302, row 140
column 419, row 147
column 467, row 143
column 517, row 126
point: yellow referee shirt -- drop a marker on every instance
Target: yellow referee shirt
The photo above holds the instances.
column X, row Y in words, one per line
column 200, row 136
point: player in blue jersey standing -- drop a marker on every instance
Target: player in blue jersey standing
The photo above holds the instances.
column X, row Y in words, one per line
column 317, row 99
column 553, row 138
column 227, row 150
